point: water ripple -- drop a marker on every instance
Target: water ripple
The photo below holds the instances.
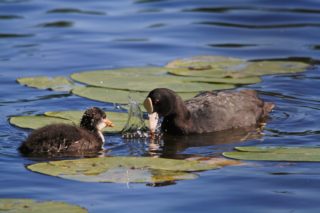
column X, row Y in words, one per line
column 265, row 9
column 232, row 45
column 57, row 24
column 14, row 35
column 74, row 10
column 259, row 26
column 6, row 17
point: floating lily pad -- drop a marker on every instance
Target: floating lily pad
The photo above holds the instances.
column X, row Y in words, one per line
column 144, row 81
column 227, row 80
column 260, row 68
column 117, row 96
column 36, row 121
column 109, row 95
column 67, row 117
column 225, row 67
column 185, row 76
column 58, row 83
column 298, row 154
column 73, row 116
column 122, row 169
column 200, row 63
column 28, row 205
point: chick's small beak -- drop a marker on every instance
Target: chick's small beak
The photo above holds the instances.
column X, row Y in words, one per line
column 108, row 122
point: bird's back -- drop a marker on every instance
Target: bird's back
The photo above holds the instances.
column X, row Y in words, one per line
column 59, row 138
column 216, row 111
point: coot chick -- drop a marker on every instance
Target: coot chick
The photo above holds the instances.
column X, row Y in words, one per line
column 61, row 139
column 206, row 112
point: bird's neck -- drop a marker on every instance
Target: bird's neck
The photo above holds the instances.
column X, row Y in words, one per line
column 97, row 133
column 179, row 121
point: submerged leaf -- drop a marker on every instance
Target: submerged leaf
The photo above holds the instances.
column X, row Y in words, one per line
column 122, row 169
column 304, row 154
column 28, row 205
column 59, row 83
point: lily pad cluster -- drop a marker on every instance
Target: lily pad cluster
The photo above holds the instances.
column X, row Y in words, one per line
column 296, row 154
column 126, row 169
column 28, row 205
column 185, row 76
column 68, row 117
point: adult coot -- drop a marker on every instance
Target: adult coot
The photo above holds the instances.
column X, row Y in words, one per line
column 206, row 112
column 57, row 139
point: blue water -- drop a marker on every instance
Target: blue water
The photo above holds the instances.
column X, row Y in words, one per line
column 39, row 37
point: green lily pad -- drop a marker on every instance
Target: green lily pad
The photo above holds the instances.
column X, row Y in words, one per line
column 226, row 68
column 143, row 81
column 67, row 117
column 117, row 96
column 73, row 116
column 28, row 205
column 58, row 83
column 122, row 169
column 200, row 63
column 36, row 121
column 109, row 95
column 135, row 71
column 297, row 154
column 227, row 80
column 260, row 68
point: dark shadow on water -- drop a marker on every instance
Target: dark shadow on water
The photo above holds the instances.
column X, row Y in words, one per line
column 38, row 98
column 14, row 35
column 251, row 8
column 308, row 60
column 13, row 1
column 148, row 1
column 57, row 24
column 8, row 17
column 232, row 45
column 259, row 26
column 76, row 11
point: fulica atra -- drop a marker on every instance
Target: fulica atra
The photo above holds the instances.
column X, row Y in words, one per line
column 206, row 112
column 57, row 139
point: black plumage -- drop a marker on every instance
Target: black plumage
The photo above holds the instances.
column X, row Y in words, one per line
column 208, row 111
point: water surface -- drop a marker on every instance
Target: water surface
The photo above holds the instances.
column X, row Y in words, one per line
column 61, row 37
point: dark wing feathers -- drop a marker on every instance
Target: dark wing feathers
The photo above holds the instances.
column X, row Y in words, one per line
column 215, row 111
